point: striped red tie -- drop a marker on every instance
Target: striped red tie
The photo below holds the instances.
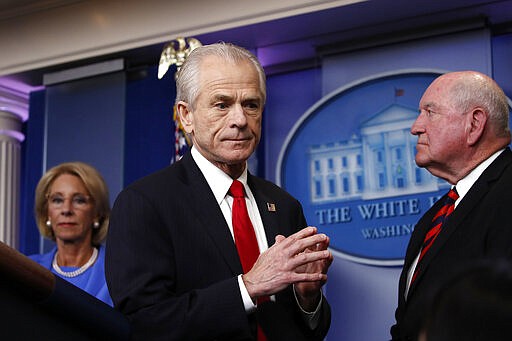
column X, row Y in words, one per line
column 436, row 226
column 245, row 237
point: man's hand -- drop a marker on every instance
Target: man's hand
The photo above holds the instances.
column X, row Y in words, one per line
column 308, row 293
column 301, row 259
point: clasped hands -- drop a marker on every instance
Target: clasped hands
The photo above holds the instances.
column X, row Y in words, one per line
column 301, row 259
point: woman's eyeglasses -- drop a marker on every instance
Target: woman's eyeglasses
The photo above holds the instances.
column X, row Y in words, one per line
column 78, row 201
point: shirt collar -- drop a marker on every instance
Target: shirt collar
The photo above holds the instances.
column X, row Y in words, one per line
column 218, row 181
column 467, row 182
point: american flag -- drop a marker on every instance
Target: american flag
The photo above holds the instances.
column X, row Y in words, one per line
column 181, row 140
column 175, row 52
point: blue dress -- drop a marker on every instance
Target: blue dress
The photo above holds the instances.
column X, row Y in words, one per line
column 91, row 281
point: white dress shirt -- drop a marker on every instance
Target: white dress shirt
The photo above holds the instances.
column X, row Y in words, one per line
column 219, row 183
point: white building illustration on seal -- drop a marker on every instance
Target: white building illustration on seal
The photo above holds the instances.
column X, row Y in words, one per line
column 377, row 163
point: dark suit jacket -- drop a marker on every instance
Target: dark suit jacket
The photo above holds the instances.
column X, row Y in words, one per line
column 479, row 228
column 172, row 265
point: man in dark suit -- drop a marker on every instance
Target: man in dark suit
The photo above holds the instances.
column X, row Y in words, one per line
column 172, row 264
column 463, row 133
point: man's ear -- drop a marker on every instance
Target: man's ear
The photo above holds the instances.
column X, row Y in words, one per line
column 477, row 121
column 186, row 116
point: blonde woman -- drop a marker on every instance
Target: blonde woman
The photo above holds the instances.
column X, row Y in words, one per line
column 72, row 209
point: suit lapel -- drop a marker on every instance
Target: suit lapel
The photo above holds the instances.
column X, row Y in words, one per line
column 415, row 246
column 479, row 189
column 209, row 214
column 268, row 216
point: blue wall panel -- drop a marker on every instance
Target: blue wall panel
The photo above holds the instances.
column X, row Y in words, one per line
column 502, row 62
column 289, row 95
column 149, row 133
column 85, row 122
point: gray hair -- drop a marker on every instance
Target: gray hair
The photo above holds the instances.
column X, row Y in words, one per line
column 187, row 85
column 475, row 89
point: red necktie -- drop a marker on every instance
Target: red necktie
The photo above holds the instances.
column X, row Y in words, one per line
column 436, row 225
column 245, row 237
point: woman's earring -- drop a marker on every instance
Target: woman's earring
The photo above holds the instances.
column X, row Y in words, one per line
column 48, row 223
column 96, row 225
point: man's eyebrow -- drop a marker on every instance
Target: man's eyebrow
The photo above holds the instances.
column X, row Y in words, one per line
column 429, row 105
column 221, row 97
column 253, row 99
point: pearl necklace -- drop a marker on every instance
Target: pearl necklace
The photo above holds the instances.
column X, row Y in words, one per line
column 78, row 271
